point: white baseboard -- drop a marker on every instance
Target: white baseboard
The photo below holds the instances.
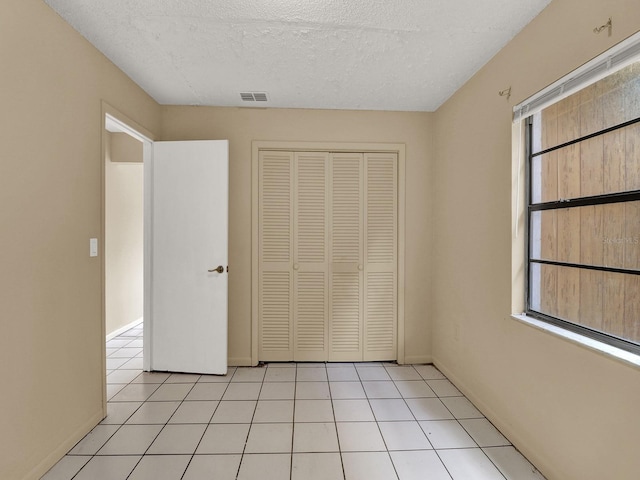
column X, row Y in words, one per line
column 504, row 427
column 50, row 460
column 123, row 329
column 240, row 362
column 417, row 359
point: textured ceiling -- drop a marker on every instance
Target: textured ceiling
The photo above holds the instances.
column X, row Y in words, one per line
column 338, row 54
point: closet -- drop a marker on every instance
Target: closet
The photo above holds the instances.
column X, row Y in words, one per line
column 327, row 256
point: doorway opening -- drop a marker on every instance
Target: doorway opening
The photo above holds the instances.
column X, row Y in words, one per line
column 125, row 155
column 123, row 244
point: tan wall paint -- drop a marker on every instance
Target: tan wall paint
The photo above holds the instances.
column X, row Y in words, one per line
column 125, row 148
column 52, row 341
column 123, row 236
column 572, row 411
column 243, row 125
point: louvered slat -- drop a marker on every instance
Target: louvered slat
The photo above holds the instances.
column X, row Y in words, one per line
column 381, row 312
column 310, row 315
column 311, row 208
column 275, row 317
column 275, row 208
column 346, row 241
column 381, row 208
column 345, row 313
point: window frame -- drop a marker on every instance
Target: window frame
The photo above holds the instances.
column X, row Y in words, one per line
column 617, row 197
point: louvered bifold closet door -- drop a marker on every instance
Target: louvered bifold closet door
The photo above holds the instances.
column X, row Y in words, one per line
column 346, row 257
column 310, row 279
column 381, row 264
column 275, row 237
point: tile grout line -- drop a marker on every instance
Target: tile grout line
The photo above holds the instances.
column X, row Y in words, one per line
column 293, row 419
column 119, row 425
column 208, row 423
column 246, row 441
column 380, row 431
column 163, row 426
column 465, row 430
column 335, row 425
column 425, row 433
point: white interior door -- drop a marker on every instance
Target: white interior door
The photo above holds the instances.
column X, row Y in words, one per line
column 189, row 241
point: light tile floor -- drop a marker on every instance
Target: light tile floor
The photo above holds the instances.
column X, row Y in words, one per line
column 305, row 421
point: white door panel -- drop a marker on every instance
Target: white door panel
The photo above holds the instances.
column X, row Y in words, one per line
column 189, row 238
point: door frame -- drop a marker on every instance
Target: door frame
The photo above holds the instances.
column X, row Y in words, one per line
column 112, row 117
column 368, row 147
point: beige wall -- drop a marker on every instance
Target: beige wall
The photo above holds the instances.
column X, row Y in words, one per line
column 123, row 233
column 51, row 346
column 572, row 411
column 243, row 125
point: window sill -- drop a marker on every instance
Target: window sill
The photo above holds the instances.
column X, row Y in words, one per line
column 600, row 347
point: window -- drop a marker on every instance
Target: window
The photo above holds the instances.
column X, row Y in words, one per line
column 583, row 254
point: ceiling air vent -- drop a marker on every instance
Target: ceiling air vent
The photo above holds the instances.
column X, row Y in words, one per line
column 253, row 96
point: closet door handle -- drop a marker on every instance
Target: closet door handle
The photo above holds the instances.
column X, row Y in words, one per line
column 220, row 269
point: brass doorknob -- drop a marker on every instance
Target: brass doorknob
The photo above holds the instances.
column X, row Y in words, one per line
column 220, row 269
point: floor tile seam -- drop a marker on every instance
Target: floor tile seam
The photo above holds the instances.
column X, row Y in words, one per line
column 160, row 432
column 490, row 423
column 97, row 454
column 197, row 446
column 165, row 423
column 448, row 410
column 377, row 426
column 84, row 465
column 151, row 443
column 499, row 469
column 246, row 440
column 295, row 391
column 190, row 460
column 99, row 448
column 335, row 426
column 125, row 420
column 87, row 463
column 219, row 454
column 158, row 385
column 464, row 429
column 423, row 381
column 152, row 455
column 487, row 456
column 444, row 465
column 111, row 355
column 291, row 445
column 141, row 403
column 445, row 420
column 384, row 441
column 416, row 420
